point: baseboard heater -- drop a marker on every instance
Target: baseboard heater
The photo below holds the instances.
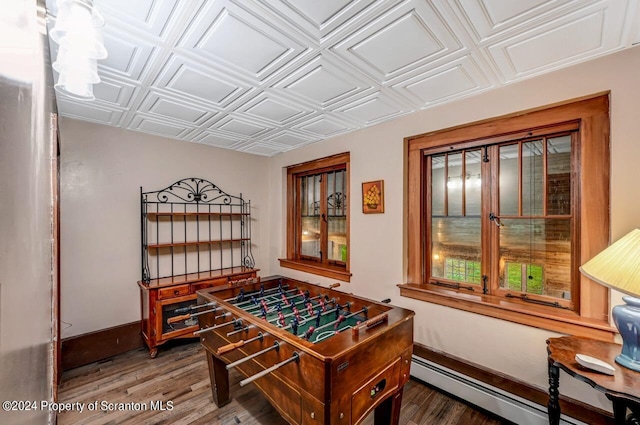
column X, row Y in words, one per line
column 491, row 399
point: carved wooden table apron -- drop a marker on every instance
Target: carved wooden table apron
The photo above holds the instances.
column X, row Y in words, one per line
column 622, row 388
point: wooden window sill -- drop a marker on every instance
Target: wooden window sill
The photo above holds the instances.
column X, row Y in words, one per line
column 565, row 322
column 330, row 271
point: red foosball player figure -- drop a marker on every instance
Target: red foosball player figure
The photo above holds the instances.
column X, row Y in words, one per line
column 309, row 332
column 340, row 319
column 281, row 319
column 310, row 308
column 322, row 306
column 296, row 313
column 285, row 300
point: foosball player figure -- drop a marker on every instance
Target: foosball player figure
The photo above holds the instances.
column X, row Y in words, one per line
column 309, row 332
column 338, row 310
column 322, row 306
column 240, row 296
column 294, row 326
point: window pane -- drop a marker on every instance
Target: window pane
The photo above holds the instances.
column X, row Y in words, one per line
column 437, row 185
column 532, row 178
column 535, row 256
column 455, row 249
column 509, row 180
column 310, row 237
column 559, row 175
column 336, row 220
column 454, row 184
column 473, row 182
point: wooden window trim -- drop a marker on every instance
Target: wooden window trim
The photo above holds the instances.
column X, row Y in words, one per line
column 592, row 117
column 293, row 260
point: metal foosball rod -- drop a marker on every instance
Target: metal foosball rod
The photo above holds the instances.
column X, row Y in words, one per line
column 235, row 345
column 264, row 305
column 254, row 301
column 243, row 329
column 298, row 303
column 221, row 325
column 174, row 319
column 324, row 313
column 348, row 316
column 262, row 295
column 222, row 316
column 194, row 307
column 276, row 346
column 295, row 357
column 257, row 306
column 306, row 316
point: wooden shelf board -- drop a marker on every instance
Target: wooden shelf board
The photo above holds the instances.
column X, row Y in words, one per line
column 196, row 277
column 169, row 244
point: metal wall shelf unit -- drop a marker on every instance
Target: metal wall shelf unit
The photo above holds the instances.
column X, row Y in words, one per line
column 193, row 226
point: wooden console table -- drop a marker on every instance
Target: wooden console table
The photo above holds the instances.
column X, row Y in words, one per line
column 622, row 388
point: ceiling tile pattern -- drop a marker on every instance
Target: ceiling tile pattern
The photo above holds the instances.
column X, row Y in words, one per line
column 268, row 76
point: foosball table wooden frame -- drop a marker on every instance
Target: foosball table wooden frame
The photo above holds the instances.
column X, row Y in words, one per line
column 338, row 380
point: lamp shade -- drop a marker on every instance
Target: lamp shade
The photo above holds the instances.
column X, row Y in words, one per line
column 618, row 266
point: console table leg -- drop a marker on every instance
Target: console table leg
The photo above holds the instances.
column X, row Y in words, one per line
column 219, row 376
column 634, row 417
column 619, row 410
column 553, row 407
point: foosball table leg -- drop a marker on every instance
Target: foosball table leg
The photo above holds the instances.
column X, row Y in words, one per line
column 388, row 412
column 219, row 376
column 153, row 352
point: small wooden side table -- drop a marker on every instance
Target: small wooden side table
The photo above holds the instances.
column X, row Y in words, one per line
column 622, row 388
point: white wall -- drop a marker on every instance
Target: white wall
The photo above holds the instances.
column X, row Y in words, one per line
column 102, row 170
column 377, row 245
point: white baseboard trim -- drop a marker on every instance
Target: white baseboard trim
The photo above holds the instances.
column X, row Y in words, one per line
column 494, row 400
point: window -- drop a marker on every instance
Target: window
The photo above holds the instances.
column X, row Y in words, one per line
column 318, row 217
column 528, row 213
column 502, row 208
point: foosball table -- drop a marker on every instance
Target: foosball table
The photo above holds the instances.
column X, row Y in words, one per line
column 320, row 356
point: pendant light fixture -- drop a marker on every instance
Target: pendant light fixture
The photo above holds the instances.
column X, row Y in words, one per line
column 78, row 33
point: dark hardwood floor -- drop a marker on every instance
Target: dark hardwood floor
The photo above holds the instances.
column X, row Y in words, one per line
column 179, row 375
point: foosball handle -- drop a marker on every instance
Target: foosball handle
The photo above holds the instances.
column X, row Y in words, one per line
column 230, row 347
column 334, row 285
column 175, row 319
column 374, row 321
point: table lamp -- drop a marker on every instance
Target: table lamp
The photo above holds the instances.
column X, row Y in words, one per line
column 618, row 267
